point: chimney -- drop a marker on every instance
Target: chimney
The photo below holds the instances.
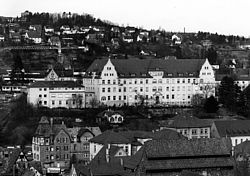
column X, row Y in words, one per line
column 51, row 122
column 107, row 153
column 121, row 161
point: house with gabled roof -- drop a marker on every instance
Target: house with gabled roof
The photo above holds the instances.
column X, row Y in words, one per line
column 168, row 81
column 173, row 157
column 236, row 130
column 189, row 126
column 34, row 36
column 51, row 144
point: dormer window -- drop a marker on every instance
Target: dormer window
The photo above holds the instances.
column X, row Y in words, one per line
column 108, row 68
column 170, row 74
column 132, row 74
column 190, row 74
column 143, row 74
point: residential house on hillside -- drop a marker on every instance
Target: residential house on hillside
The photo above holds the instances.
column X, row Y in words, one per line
column 57, row 74
column 48, row 29
column 80, row 147
column 2, row 38
column 53, row 94
column 189, row 126
column 237, row 130
column 51, row 144
column 36, row 27
column 65, row 28
column 15, row 37
column 34, row 36
column 113, row 117
column 176, row 39
column 167, row 81
column 172, row 157
column 54, row 41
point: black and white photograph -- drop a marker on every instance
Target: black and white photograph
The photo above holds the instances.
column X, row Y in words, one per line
column 124, row 88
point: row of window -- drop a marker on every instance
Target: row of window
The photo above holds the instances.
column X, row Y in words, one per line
column 154, row 81
column 60, row 88
column 58, row 157
column 194, row 131
column 173, row 96
column 154, row 89
column 61, row 102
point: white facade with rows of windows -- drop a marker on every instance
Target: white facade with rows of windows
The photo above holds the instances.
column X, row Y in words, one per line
column 52, row 96
column 155, row 86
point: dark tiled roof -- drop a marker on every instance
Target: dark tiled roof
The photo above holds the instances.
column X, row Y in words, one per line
column 188, row 122
column 230, row 128
column 84, row 130
column 36, row 165
column 82, row 170
column 189, row 163
column 110, row 137
column 140, row 67
column 188, row 148
column 34, row 34
column 167, row 134
column 55, row 84
column 100, row 166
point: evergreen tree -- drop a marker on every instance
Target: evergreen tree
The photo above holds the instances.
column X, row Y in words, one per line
column 211, row 105
column 229, row 93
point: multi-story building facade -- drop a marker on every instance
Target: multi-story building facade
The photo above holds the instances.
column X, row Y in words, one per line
column 52, row 94
column 167, row 81
column 51, row 144
column 80, row 146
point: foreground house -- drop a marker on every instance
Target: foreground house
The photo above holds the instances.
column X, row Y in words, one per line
column 172, row 157
column 237, row 130
column 51, row 144
column 53, row 94
column 168, row 81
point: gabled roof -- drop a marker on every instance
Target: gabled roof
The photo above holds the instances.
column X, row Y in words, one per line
column 81, row 170
column 188, row 148
column 167, row 134
column 242, row 148
column 110, row 137
column 34, row 34
column 140, row 67
column 114, row 166
column 188, row 122
column 55, row 84
column 231, row 128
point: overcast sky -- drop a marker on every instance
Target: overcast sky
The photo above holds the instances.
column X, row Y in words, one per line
column 222, row 16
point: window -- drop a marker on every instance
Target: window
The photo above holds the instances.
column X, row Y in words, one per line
column 188, row 80
column 103, row 89
column 114, row 82
column 120, row 89
column 40, row 89
column 167, row 96
column 160, row 81
column 108, row 97
column 124, row 89
column 45, row 89
column 40, row 95
column 108, row 81
column 159, row 88
column 120, row 97
column 172, row 96
column 173, row 88
column 154, row 81
column 114, row 97
column 60, row 102
column 103, row 98
column 103, row 81
column 135, row 81
column 154, row 89
column 53, row 102
column 108, row 89
column 178, row 80
column 146, row 81
column 178, row 88
column 141, row 81
column 167, row 88
column 124, row 82
column 45, row 95
column 141, row 89
column 146, row 89
column 45, row 102
column 194, row 131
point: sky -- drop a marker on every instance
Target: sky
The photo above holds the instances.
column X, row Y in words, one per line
column 221, row 16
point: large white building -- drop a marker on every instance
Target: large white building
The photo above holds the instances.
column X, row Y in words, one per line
column 168, row 81
column 53, row 94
